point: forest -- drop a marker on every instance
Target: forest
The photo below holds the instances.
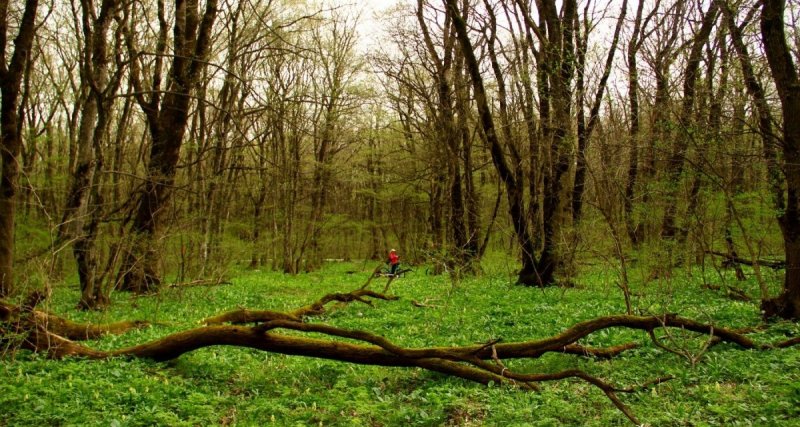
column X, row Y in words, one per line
column 595, row 204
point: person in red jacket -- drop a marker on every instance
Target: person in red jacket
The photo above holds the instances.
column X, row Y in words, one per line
column 393, row 261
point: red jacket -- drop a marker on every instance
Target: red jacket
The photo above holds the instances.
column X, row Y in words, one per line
column 393, row 258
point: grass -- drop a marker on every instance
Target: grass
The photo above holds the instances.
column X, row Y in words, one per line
column 227, row 386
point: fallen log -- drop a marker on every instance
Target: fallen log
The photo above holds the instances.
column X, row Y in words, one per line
column 314, row 309
column 468, row 362
column 481, row 363
column 423, row 304
column 731, row 292
column 200, row 282
column 775, row 265
column 28, row 317
column 359, row 295
column 244, row 315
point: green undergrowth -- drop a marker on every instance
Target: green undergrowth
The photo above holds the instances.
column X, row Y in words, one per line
column 233, row 386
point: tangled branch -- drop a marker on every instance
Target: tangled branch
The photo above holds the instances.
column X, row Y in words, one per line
column 260, row 329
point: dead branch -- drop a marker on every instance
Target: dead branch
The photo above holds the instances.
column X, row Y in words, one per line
column 775, row 265
column 315, row 309
column 27, row 318
column 388, row 282
column 424, row 304
column 359, row 295
column 390, row 277
column 482, row 363
column 200, row 282
column 731, row 292
column 375, row 273
column 244, row 315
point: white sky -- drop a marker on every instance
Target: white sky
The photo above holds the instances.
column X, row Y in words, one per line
column 370, row 29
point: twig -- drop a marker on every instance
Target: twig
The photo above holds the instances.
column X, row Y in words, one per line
column 200, row 282
column 775, row 265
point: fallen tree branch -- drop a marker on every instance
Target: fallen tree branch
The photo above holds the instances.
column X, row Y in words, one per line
column 359, row 295
column 388, row 283
column 375, row 273
column 424, row 304
column 466, row 362
column 731, row 292
column 244, row 315
column 775, row 265
column 482, row 363
column 200, row 282
column 378, row 272
column 314, row 309
column 28, row 318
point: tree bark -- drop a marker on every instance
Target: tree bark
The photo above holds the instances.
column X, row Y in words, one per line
column 634, row 44
column 558, row 50
column 585, row 129
column 784, row 73
column 167, row 120
column 677, row 158
column 49, row 335
column 514, row 190
column 11, row 74
column 84, row 201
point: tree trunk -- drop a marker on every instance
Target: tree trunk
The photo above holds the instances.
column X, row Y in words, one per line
column 677, row 158
column 585, row 129
column 9, row 152
column 119, row 149
column 258, row 223
column 449, row 133
column 290, row 196
column 85, row 197
column 660, row 129
column 558, row 55
column 631, row 225
column 527, row 274
column 10, row 143
column 471, row 197
column 319, row 192
column 765, row 119
column 167, row 120
column 373, row 210
column 784, row 73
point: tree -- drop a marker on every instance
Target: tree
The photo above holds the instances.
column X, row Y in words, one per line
column 634, row 44
column 11, row 73
column 677, row 158
column 514, row 189
column 429, row 91
column 585, row 129
column 84, row 203
column 450, row 111
column 334, row 75
column 661, row 49
column 555, row 57
column 765, row 119
column 784, row 74
column 263, row 330
column 167, row 116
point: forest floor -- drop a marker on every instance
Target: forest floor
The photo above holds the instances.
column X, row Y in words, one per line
column 233, row 386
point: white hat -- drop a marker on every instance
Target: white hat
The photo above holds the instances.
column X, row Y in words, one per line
column 392, row 250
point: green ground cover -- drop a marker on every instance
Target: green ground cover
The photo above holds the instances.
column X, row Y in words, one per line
column 232, row 386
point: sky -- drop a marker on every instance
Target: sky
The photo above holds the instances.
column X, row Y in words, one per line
column 369, row 27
